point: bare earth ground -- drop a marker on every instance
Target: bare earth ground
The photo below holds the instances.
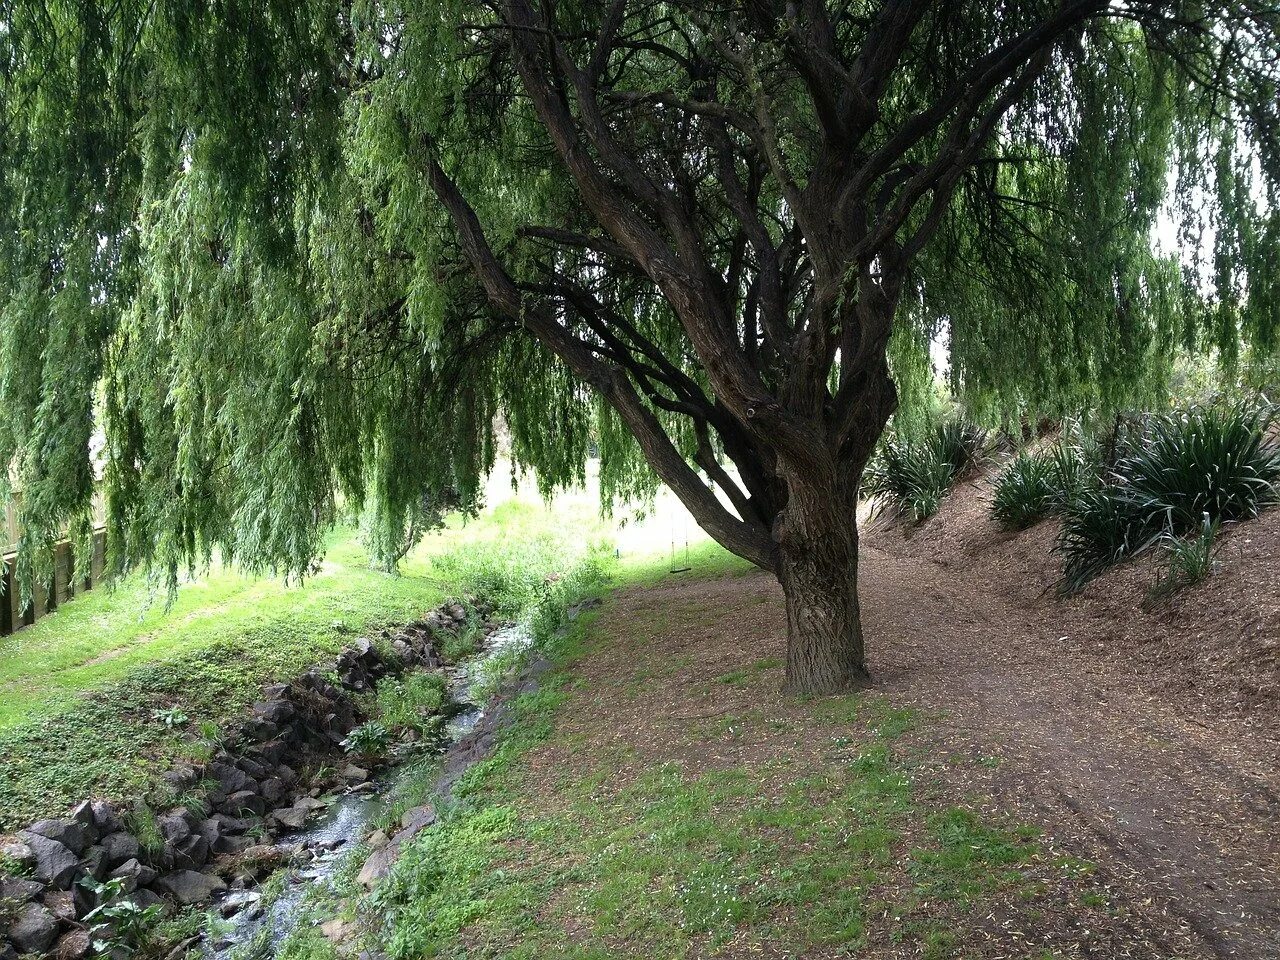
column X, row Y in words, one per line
column 1150, row 735
column 1143, row 742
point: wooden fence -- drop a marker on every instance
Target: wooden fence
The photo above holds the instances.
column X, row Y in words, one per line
column 46, row 597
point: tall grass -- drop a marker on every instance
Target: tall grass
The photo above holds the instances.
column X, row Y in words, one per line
column 1036, row 485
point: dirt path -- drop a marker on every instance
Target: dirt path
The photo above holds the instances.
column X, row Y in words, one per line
column 1188, row 811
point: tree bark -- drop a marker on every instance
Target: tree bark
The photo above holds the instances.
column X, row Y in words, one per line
column 818, row 570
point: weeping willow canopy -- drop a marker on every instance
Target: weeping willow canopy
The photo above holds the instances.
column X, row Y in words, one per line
column 298, row 256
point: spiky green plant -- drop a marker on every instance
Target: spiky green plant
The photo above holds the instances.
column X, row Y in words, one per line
column 1190, row 559
column 1024, row 493
column 1206, row 464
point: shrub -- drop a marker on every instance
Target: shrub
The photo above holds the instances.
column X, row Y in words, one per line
column 910, row 478
column 409, row 703
column 370, row 740
column 1037, row 485
column 1204, row 465
column 959, row 444
column 1213, row 461
column 1024, row 492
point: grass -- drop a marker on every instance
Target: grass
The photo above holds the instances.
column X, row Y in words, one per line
column 86, row 691
column 685, row 860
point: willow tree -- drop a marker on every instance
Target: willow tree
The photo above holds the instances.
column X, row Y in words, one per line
column 293, row 254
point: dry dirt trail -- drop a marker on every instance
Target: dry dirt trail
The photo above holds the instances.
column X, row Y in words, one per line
column 1184, row 808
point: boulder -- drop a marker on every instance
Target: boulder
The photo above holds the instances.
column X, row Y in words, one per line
column 271, row 752
column 230, row 779
column 180, row 779
column 134, row 874
column 82, row 813
column 242, row 802
column 290, row 818
column 7, row 952
column 191, row 852
column 105, row 818
column 18, row 889
column 273, row 790
column 72, row 834
column 286, row 773
column 229, row 844
column 95, row 862
column 259, row 730
column 253, row 768
column 54, row 863
column 353, row 774
column 119, row 847
column 210, row 829
column 378, row 865
column 34, row 929
column 73, row 946
column 274, row 711
column 142, row 899
column 61, row 904
column 189, row 887
column 175, row 826
column 418, row 819
column 17, row 851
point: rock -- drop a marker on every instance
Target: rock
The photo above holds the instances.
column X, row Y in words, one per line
column 119, row 847
column 189, row 887
column 191, row 852
column 378, row 839
column 353, row 774
column 34, row 929
column 73, row 946
column 82, row 813
column 259, row 730
column 286, row 774
column 378, row 865
column 310, row 804
column 237, row 901
column 19, row 890
column 142, row 899
column 72, row 834
column 229, row 824
column 336, row 930
column 134, row 874
column 176, row 825
column 271, row 752
column 105, row 818
column 290, row 818
column 230, row 779
column 244, row 801
column 272, row 790
column 274, row 711
column 95, row 862
column 418, row 818
column 61, row 904
column 180, row 779
column 54, row 864
column 7, row 952
column 17, row 852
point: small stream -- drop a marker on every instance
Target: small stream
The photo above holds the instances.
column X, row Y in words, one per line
column 321, row 851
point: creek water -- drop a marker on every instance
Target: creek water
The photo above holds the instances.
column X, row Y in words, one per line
column 320, row 852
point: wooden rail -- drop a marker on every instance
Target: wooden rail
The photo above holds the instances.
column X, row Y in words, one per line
column 46, row 597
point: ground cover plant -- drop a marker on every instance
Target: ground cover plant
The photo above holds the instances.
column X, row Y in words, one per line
column 1037, row 484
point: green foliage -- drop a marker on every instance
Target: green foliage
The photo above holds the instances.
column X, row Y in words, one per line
column 1208, row 464
column 912, row 477
column 1190, row 560
column 119, row 926
column 1023, row 492
column 410, row 702
column 371, row 740
column 1040, row 484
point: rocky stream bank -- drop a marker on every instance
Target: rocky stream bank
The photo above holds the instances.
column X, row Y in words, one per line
column 213, row 830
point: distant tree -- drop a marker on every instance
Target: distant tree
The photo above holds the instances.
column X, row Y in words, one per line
column 293, row 253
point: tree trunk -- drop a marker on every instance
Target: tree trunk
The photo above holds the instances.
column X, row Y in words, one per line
column 818, row 569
